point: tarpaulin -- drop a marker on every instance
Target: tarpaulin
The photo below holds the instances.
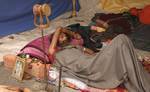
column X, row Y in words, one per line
column 16, row 15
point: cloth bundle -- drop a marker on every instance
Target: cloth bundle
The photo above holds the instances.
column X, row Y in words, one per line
column 35, row 49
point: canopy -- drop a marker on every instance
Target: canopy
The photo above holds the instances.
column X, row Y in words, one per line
column 16, row 15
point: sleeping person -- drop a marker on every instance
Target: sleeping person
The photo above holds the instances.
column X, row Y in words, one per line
column 112, row 66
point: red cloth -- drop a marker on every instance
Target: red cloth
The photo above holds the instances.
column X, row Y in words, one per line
column 134, row 11
column 143, row 14
column 118, row 89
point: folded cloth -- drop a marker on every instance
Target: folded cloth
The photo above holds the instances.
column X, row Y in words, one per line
column 117, row 6
column 75, row 84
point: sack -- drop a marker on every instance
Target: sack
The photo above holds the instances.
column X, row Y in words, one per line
column 9, row 61
column 37, row 69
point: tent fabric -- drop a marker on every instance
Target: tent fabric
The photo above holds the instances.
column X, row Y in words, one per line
column 117, row 6
column 16, row 15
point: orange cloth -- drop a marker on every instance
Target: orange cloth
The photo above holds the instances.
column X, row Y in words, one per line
column 118, row 6
column 144, row 15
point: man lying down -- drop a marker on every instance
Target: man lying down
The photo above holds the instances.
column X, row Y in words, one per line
column 114, row 65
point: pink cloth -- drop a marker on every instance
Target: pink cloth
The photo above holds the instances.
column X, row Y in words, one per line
column 77, row 42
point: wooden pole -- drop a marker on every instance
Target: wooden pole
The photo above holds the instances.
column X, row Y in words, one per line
column 74, row 14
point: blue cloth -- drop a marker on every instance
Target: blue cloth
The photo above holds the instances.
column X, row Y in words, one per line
column 16, row 15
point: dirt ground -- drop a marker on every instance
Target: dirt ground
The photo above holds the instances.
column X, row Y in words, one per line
column 33, row 84
column 11, row 44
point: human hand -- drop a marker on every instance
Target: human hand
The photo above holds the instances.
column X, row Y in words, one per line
column 88, row 51
column 52, row 51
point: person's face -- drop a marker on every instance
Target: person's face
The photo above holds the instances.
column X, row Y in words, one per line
column 62, row 38
column 77, row 36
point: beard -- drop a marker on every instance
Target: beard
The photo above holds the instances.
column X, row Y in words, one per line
column 63, row 43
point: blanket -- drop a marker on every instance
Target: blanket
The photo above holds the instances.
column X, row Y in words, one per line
column 114, row 65
column 117, row 6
